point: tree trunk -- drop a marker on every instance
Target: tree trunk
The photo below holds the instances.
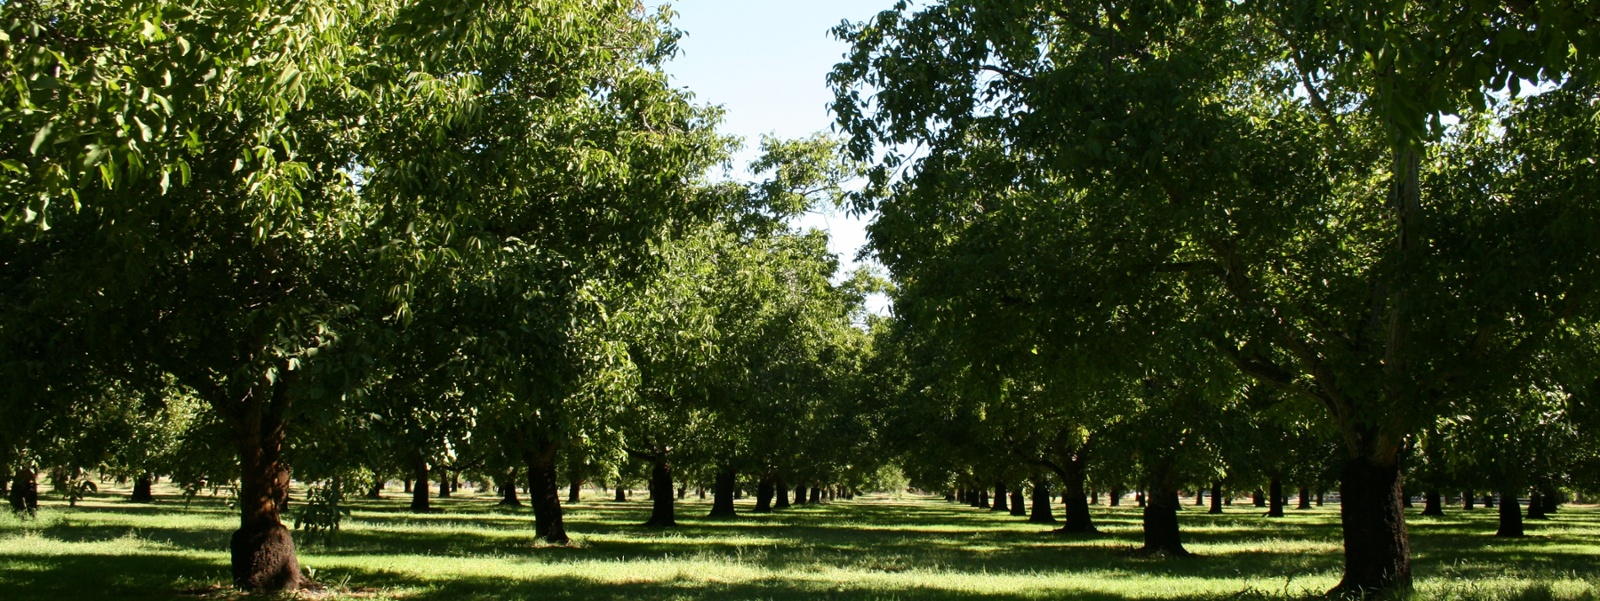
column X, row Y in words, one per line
column 1258, row 498
column 507, row 483
column 1467, row 501
column 1138, row 498
column 419, row 492
column 1319, row 497
column 999, row 498
column 544, row 493
column 1199, row 497
column 1216, row 497
column 1116, row 497
column 141, row 489
column 722, row 493
column 1305, row 498
column 1488, row 501
column 765, row 490
column 1377, row 553
column 782, row 494
column 1161, row 533
column 1552, row 500
column 1510, row 514
column 621, row 496
column 663, row 513
column 444, row 484
column 262, row 552
column 1094, row 497
column 1536, row 506
column 574, row 492
column 24, row 492
column 1018, row 506
column 406, row 482
column 1042, row 513
column 816, row 495
column 1275, row 498
column 1431, row 504
column 1072, row 497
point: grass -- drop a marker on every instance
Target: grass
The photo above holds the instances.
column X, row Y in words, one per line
column 871, row 548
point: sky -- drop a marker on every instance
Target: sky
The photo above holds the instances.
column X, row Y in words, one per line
column 766, row 63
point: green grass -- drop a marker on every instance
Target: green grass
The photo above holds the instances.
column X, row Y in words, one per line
column 873, row 548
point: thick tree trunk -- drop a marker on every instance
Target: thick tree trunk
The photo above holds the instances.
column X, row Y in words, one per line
column 1073, row 499
column 1042, row 513
column 1510, row 514
column 1551, row 499
column 621, row 495
column 262, row 552
column 406, row 482
column 1488, row 501
column 1258, row 498
column 1275, row 498
column 24, row 492
column 419, row 491
column 765, row 490
column 1161, row 533
column 1319, row 497
column 1377, row 552
column 1467, row 501
column 1216, row 497
column 1431, row 504
column 816, row 495
column 1000, row 498
column 1116, row 497
column 663, row 513
column 1199, row 497
column 444, row 484
column 507, row 483
column 141, row 489
column 1305, row 498
column 782, row 494
column 1018, row 505
column 544, row 493
column 1094, row 497
column 1138, row 498
column 722, row 493
column 1536, row 506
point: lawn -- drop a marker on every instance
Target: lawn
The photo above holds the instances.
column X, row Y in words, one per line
column 870, row 548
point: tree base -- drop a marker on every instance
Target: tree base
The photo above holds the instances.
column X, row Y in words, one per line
column 263, row 560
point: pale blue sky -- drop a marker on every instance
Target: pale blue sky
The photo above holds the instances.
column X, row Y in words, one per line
column 766, row 62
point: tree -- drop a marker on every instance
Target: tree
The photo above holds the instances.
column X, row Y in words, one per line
column 1235, row 148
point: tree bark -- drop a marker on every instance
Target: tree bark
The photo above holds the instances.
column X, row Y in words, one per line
column 1431, row 504
column 782, row 494
column 1258, row 498
column 1199, row 497
column 663, row 512
column 419, row 491
column 507, row 483
column 444, row 483
column 574, row 492
column 141, row 489
column 1536, row 506
column 765, row 490
column 1042, row 513
column 1000, row 498
column 1467, row 501
column 544, row 493
column 1488, row 501
column 24, row 492
column 262, row 552
column 1161, row 534
column 621, row 495
column 1510, row 514
column 1305, row 498
column 1377, row 552
column 1551, row 499
column 1116, row 497
column 722, row 493
column 1216, row 497
column 1073, row 499
column 816, row 495
column 376, row 492
column 1275, row 498
column 1139, row 498
column 1018, row 506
